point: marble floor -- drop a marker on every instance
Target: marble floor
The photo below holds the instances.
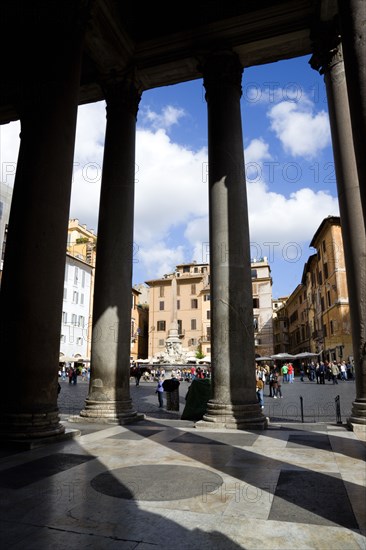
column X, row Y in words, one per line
column 163, row 483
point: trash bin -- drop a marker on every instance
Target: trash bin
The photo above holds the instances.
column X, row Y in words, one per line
column 171, row 388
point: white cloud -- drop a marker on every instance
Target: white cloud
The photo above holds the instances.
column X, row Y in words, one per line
column 158, row 255
column 168, row 117
column 170, row 189
column 302, row 132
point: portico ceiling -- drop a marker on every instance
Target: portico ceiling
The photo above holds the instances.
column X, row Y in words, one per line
column 163, row 47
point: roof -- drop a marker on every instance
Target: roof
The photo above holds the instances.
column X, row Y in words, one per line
column 330, row 220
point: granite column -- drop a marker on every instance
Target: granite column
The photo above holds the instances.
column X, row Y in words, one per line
column 34, row 264
column 109, row 392
column 328, row 60
column 233, row 403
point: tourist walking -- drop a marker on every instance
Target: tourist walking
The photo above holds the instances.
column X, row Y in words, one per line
column 321, row 373
column 284, row 372
column 290, row 373
column 160, row 390
column 335, row 372
column 302, row 372
column 260, row 387
column 277, row 386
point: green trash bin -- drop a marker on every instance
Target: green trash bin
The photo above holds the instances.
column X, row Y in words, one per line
column 171, row 388
column 199, row 392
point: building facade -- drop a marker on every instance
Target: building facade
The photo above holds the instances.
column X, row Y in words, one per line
column 280, row 325
column 76, row 312
column 329, row 293
column 316, row 316
column 139, row 327
column 192, row 308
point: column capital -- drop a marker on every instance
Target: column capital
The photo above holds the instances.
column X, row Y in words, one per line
column 220, row 69
column 327, row 47
column 122, row 92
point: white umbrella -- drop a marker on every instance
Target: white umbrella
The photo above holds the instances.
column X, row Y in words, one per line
column 306, row 354
column 283, row 356
column 66, row 359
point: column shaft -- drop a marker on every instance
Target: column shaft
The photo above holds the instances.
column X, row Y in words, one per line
column 109, row 392
column 330, row 62
column 233, row 402
column 33, row 278
column 352, row 21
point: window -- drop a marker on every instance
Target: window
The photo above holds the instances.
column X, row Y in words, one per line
column 83, row 279
column 178, row 304
column 180, row 326
column 254, row 273
column 322, row 303
column 66, row 272
column 208, row 331
column 325, row 331
column 331, row 326
column 186, row 269
column 81, row 321
column 75, row 297
column 161, row 292
column 325, row 267
column 161, row 306
column 63, row 338
column 76, row 276
column 320, row 278
column 255, row 303
column 64, row 317
column 79, row 341
column 82, row 299
column 161, row 325
column 74, row 319
column 194, row 303
column 193, row 289
column 195, row 270
column 178, row 290
column 255, row 324
column 207, row 297
column 193, row 324
column 208, row 314
column 329, row 300
column 324, row 247
column 65, row 293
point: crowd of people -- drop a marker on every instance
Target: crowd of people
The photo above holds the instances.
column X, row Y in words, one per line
column 320, row 372
column 327, row 370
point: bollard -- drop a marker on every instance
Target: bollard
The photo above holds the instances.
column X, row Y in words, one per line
column 338, row 409
column 302, row 408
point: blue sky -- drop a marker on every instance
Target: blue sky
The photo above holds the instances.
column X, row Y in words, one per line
column 291, row 183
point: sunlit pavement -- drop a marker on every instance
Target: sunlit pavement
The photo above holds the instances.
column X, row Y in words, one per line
column 302, row 401
column 162, row 483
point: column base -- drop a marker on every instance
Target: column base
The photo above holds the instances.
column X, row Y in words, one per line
column 233, row 417
column 357, row 421
column 109, row 412
column 29, row 426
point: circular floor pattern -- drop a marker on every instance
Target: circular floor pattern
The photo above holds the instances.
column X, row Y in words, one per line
column 157, row 482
